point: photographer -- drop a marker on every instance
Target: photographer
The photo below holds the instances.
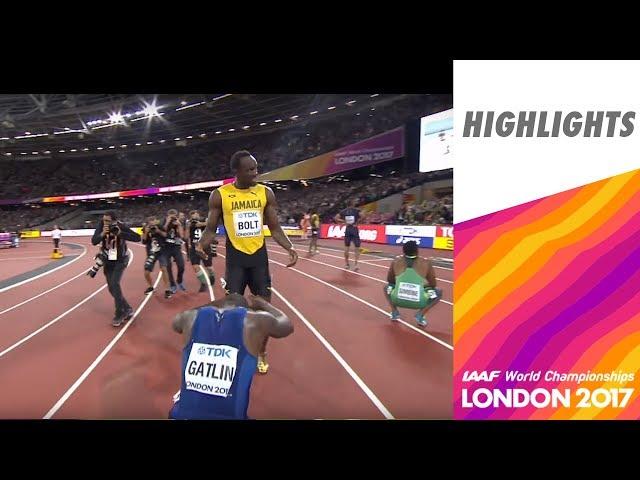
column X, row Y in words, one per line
column 182, row 220
column 172, row 248
column 152, row 238
column 114, row 254
column 196, row 227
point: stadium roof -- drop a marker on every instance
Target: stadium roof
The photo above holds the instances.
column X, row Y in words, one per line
column 34, row 126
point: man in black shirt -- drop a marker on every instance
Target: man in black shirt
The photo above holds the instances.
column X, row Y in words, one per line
column 112, row 236
column 152, row 238
column 172, row 248
column 196, row 227
column 350, row 216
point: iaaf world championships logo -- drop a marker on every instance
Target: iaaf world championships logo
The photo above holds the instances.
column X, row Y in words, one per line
column 541, row 394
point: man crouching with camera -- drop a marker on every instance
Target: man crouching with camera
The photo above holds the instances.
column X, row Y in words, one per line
column 114, row 254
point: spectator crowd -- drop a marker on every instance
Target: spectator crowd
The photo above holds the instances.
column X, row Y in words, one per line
column 128, row 169
column 25, row 217
column 325, row 196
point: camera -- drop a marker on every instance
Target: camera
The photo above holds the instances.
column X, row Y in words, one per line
column 148, row 263
column 100, row 259
column 114, row 229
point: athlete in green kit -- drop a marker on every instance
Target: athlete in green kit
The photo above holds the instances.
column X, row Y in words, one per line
column 412, row 284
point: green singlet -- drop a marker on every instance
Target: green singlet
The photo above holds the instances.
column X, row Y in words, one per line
column 410, row 290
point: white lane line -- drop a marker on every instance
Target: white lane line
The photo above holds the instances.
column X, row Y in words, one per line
column 55, row 320
column 99, row 358
column 84, row 251
column 206, row 275
column 40, row 294
column 22, row 258
column 386, row 314
column 211, row 294
column 47, row 325
column 371, row 260
column 444, row 268
column 378, row 257
column 338, row 250
column 372, row 264
column 356, row 378
column 374, row 256
column 345, row 270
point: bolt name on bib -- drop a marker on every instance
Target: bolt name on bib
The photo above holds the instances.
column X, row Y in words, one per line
column 248, row 223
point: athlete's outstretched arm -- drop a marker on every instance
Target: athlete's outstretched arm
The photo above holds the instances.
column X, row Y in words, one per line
column 209, row 234
column 271, row 217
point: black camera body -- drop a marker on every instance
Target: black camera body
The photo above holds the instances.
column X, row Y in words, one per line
column 114, row 229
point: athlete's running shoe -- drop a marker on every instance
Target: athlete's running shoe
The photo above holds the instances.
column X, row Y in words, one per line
column 263, row 366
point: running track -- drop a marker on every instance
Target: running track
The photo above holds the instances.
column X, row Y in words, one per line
column 61, row 358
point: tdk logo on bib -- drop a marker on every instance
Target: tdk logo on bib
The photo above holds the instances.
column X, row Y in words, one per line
column 215, row 351
column 218, row 352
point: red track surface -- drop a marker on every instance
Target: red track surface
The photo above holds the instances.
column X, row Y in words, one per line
column 407, row 372
column 29, row 256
